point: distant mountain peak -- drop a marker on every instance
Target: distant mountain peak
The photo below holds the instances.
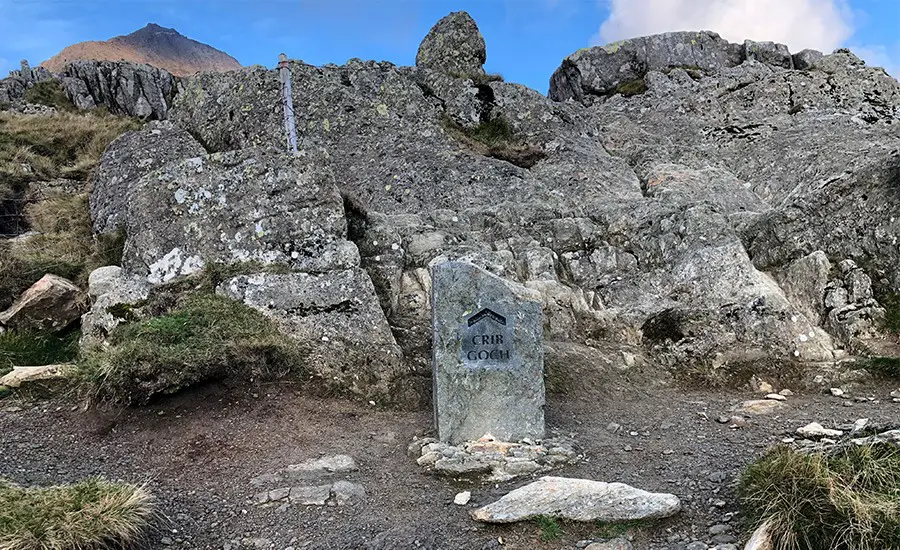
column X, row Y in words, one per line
column 154, row 45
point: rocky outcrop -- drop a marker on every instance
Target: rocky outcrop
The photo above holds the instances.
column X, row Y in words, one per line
column 620, row 66
column 281, row 221
column 52, row 303
column 13, row 87
column 127, row 159
column 659, row 207
column 453, row 46
column 129, row 89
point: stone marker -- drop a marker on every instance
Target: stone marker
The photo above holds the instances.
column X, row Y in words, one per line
column 488, row 356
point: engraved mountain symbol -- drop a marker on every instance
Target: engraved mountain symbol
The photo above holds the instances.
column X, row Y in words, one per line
column 487, row 313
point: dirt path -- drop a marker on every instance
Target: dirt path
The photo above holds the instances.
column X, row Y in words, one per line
column 199, row 451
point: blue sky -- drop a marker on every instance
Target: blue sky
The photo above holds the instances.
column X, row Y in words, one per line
column 526, row 39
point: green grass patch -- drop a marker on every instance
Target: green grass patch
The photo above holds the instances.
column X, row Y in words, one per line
column 549, row 527
column 50, row 93
column 631, row 87
column 194, row 338
column 891, row 304
column 32, row 348
column 91, row 514
column 849, row 500
column 495, row 138
column 611, row 530
column 884, row 367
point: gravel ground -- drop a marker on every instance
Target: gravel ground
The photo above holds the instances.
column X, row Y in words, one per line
column 198, row 451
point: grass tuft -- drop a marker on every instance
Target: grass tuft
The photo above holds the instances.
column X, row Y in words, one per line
column 65, row 145
column 631, row 87
column 849, row 500
column 50, row 93
column 891, row 304
column 64, row 246
column 30, row 349
column 550, row 528
column 194, row 338
column 495, row 138
column 887, row 368
column 88, row 515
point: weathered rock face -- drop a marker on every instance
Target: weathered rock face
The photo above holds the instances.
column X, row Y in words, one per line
column 488, row 356
column 337, row 318
column 453, row 46
column 653, row 220
column 578, row 500
column 599, row 71
column 658, row 207
column 126, row 160
column 282, row 219
column 253, row 205
column 52, row 303
column 130, row 89
column 13, row 87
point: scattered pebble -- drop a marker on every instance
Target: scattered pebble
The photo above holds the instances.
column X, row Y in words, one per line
column 837, row 392
column 776, row 397
column 463, row 498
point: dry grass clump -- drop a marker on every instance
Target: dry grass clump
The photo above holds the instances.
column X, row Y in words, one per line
column 65, row 145
column 64, row 246
column 198, row 337
column 495, row 138
column 847, row 500
column 91, row 514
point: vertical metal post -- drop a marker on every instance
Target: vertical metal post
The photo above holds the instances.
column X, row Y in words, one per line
column 290, row 128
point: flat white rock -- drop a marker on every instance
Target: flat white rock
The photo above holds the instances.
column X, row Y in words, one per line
column 776, row 397
column 578, row 500
column 814, row 429
column 463, row 498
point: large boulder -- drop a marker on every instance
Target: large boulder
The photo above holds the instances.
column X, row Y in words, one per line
column 253, row 205
column 336, row 318
column 578, row 500
column 52, row 303
column 454, row 46
column 128, row 158
column 602, row 70
column 130, row 89
column 279, row 222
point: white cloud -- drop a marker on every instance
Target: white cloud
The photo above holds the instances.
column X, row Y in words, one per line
column 818, row 24
column 880, row 56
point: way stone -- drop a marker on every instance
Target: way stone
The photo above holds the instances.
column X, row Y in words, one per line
column 615, row 544
column 488, row 359
column 49, row 304
column 578, row 500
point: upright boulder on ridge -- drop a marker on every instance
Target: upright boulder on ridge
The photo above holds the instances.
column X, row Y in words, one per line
column 453, row 46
